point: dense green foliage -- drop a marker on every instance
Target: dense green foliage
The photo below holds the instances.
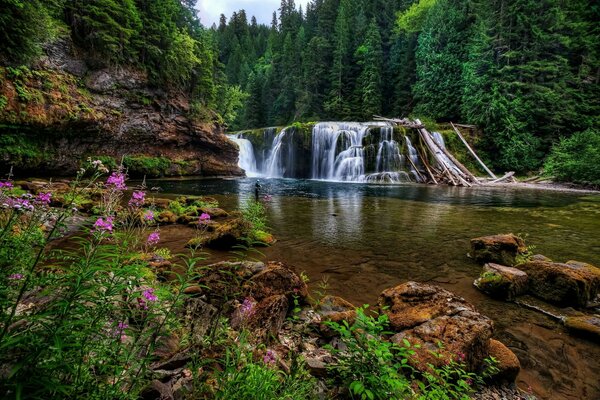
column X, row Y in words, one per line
column 526, row 72
column 163, row 37
column 570, row 160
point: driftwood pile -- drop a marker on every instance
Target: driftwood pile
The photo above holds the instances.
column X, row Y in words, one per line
column 442, row 166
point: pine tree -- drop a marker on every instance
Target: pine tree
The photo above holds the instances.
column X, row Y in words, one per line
column 369, row 87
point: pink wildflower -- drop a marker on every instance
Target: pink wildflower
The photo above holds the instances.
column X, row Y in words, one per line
column 204, row 217
column 44, row 198
column 149, row 294
column 15, row 277
column 137, row 199
column 153, row 238
column 269, row 357
column 116, row 180
column 6, row 185
column 149, row 215
column 102, row 225
column 461, row 357
column 247, row 308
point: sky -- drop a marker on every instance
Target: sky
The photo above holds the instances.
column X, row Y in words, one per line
column 210, row 10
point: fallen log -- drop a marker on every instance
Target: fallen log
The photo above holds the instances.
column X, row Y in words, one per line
column 472, row 151
column 505, row 177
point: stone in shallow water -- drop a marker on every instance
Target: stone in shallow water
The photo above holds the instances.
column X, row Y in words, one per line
column 565, row 284
column 587, row 325
column 502, row 282
column 501, row 249
column 410, row 304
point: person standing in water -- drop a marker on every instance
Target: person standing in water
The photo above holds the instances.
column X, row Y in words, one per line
column 256, row 190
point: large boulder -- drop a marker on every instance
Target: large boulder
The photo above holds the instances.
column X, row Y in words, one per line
column 221, row 282
column 502, row 282
column 275, row 279
column 463, row 337
column 444, row 326
column 508, row 363
column 411, row 304
column 500, row 249
column 565, row 284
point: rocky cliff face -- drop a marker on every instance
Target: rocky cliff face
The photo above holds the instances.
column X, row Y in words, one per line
column 56, row 114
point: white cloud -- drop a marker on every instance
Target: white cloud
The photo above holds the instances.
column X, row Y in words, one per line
column 210, row 10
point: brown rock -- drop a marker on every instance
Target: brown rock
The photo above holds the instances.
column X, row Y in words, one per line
column 268, row 316
column 501, row 249
column 167, row 217
column 502, row 282
column 193, row 290
column 199, row 317
column 586, row 325
column 410, row 304
column 463, row 336
column 568, row 284
column 223, row 279
column 508, row 363
column 214, row 212
column 334, row 309
column 276, row 279
column 228, row 234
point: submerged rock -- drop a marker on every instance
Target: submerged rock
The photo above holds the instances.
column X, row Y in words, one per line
column 586, row 325
column 565, row 284
column 500, row 249
column 502, row 282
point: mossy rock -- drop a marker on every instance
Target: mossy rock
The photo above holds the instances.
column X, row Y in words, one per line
column 167, row 217
column 263, row 238
column 586, row 326
column 505, row 249
column 502, row 282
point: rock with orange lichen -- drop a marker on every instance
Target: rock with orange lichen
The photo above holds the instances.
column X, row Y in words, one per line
column 410, row 304
column 508, row 363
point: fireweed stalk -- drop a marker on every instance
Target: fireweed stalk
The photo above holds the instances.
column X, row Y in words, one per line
column 76, row 189
column 93, row 278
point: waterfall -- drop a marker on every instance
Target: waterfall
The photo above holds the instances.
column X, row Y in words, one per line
column 414, row 157
column 246, row 160
column 274, row 165
column 333, row 151
column 327, row 139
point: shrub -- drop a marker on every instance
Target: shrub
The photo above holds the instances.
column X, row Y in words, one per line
column 245, row 379
column 576, row 159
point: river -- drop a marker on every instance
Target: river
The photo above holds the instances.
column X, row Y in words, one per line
column 362, row 238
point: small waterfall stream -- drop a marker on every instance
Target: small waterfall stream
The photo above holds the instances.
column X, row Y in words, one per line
column 247, row 160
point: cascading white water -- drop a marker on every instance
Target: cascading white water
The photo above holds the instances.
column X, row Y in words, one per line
column 389, row 161
column 246, row 160
column 337, row 150
column 439, row 139
column 414, row 157
column 274, row 165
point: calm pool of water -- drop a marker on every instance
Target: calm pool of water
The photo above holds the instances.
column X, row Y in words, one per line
column 364, row 238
